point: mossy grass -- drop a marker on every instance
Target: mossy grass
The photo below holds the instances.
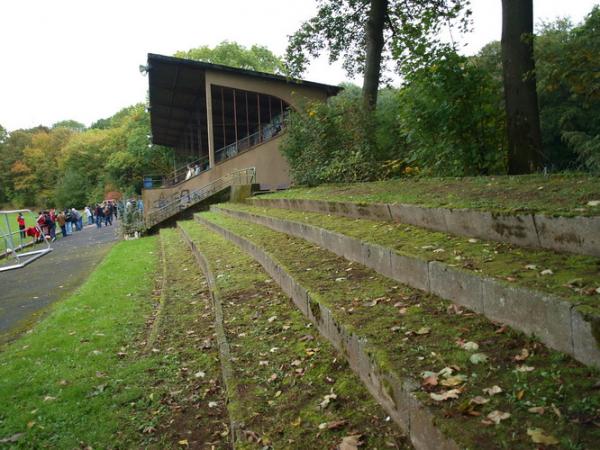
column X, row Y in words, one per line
column 564, row 194
column 190, row 408
column 283, row 369
column 85, row 375
column 414, row 334
column 574, row 277
column 71, row 379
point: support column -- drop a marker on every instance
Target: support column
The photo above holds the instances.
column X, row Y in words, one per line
column 209, row 124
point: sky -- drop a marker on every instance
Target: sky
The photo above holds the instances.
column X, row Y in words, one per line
column 79, row 59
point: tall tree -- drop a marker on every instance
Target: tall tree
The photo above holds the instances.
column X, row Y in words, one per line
column 257, row 57
column 365, row 34
column 522, row 112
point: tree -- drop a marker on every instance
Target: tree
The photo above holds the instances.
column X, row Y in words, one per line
column 257, row 57
column 70, row 124
column 366, row 34
column 522, row 113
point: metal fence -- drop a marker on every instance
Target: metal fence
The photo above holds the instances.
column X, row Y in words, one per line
column 238, row 177
column 14, row 241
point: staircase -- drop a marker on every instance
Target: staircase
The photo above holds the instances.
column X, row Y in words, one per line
column 236, row 178
column 463, row 343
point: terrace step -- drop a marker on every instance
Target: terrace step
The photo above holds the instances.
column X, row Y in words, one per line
column 433, row 366
column 539, row 305
column 190, row 377
column 287, row 387
column 580, row 234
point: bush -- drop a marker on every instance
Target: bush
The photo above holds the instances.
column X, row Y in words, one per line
column 452, row 118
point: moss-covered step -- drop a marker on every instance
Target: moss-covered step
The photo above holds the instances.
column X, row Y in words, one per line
column 578, row 234
column 290, row 388
column 451, row 377
column 193, row 404
column 505, row 284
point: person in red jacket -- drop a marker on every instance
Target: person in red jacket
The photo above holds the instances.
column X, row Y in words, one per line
column 21, row 222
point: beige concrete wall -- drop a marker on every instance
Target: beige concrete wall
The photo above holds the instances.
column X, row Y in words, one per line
column 294, row 94
column 272, row 172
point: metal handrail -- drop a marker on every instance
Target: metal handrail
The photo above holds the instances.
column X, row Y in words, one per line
column 179, row 174
column 237, row 177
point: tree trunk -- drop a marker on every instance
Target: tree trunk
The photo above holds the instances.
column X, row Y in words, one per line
column 522, row 113
column 374, row 48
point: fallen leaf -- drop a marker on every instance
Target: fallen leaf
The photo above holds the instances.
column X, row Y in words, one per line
column 493, row 390
column 327, row 399
column 546, row 272
column 555, row 410
column 522, row 356
column 212, row 404
column 471, row 346
column 531, row 267
column 473, row 241
column 479, row 400
column 49, row 398
column 423, row 330
column 199, row 374
column 184, row 443
column 454, row 381
column 430, row 381
column 336, row 424
column 501, row 330
column 524, row 368
column 271, row 319
column 350, row 442
column 13, row 438
column 477, row 358
column 537, row 410
column 593, row 203
column 446, row 395
column 539, row 437
column 498, row 416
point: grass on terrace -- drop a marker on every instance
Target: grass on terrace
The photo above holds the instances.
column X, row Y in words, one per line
column 419, row 336
column 560, row 194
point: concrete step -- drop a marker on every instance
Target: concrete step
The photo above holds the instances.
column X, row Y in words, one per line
column 188, row 381
column 562, row 317
column 579, row 234
column 288, row 388
column 432, row 365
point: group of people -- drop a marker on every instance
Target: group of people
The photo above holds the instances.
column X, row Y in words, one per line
column 192, row 170
column 68, row 220
column 101, row 213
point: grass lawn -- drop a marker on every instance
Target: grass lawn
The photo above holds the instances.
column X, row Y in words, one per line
column 561, row 194
column 76, row 378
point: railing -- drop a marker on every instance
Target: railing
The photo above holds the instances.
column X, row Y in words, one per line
column 238, row 177
column 179, row 175
column 266, row 133
column 14, row 242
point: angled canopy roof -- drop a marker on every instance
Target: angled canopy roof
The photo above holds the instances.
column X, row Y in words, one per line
column 177, row 89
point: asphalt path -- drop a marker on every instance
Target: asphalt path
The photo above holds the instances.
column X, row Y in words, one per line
column 25, row 293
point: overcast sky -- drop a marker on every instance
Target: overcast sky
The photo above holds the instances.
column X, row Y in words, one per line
column 79, row 59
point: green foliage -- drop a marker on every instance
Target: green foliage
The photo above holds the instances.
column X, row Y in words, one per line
column 257, row 57
column 338, row 141
column 70, row 124
column 452, row 119
column 569, row 91
column 411, row 34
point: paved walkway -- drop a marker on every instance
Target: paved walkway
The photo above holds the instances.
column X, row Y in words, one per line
column 25, row 292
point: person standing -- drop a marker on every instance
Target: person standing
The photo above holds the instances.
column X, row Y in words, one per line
column 61, row 220
column 88, row 215
column 99, row 215
column 21, row 222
